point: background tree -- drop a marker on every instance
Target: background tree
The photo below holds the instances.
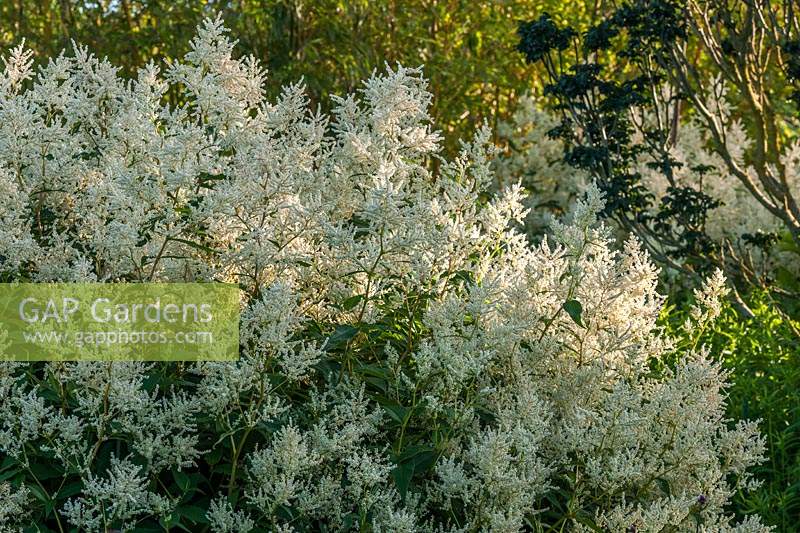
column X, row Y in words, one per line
column 718, row 66
column 466, row 47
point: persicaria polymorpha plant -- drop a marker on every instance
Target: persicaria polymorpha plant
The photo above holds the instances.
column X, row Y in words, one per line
column 409, row 361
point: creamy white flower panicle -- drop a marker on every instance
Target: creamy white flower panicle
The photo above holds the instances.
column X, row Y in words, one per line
column 120, row 496
column 223, row 518
column 708, row 301
column 13, row 504
column 536, row 161
column 409, row 361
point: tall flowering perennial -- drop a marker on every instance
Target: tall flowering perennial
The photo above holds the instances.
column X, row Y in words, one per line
column 737, row 223
column 535, row 160
column 409, row 362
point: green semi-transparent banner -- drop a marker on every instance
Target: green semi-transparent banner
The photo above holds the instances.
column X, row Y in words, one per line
column 119, row 322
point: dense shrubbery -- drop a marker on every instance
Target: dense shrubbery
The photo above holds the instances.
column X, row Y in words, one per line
column 700, row 163
column 691, row 131
column 734, row 220
column 763, row 355
column 409, row 361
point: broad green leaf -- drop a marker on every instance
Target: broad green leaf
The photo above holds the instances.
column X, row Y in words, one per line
column 182, row 480
column 193, row 512
column 340, row 337
column 575, row 310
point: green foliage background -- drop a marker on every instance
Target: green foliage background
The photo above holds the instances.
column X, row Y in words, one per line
column 467, row 47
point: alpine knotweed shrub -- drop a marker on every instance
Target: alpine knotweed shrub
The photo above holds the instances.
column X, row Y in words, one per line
column 409, row 362
column 736, row 223
column 536, row 160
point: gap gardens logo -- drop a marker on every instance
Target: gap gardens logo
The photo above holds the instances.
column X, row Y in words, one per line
column 119, row 321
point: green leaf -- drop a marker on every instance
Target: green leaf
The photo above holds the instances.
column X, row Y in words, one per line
column 7, row 462
column 575, row 310
column 194, row 513
column 351, row 302
column 415, row 459
column 38, row 493
column 786, row 278
column 787, row 243
column 395, row 411
column 424, row 459
column 222, row 468
column 402, row 475
column 70, row 489
column 45, row 471
column 340, row 337
column 169, row 522
column 9, row 474
column 182, row 480
column 214, row 455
